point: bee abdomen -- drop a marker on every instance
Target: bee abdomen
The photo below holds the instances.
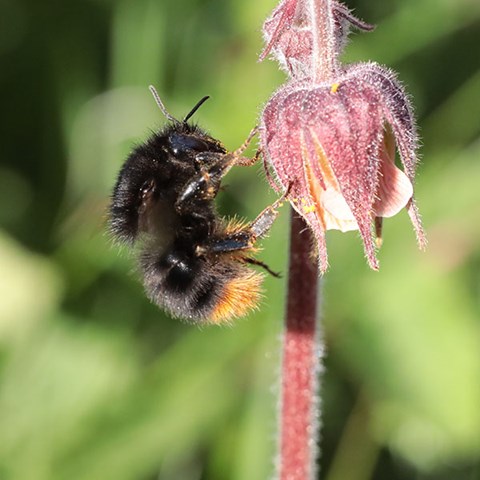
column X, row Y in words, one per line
column 201, row 290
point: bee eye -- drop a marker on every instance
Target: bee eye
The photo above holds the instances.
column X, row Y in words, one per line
column 185, row 143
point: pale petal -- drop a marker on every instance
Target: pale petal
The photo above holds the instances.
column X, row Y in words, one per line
column 394, row 190
column 337, row 214
column 331, row 205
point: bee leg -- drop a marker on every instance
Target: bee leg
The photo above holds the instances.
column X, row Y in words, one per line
column 206, row 183
column 203, row 186
column 235, row 242
column 254, row 261
column 242, row 161
column 245, row 238
column 230, row 242
column 262, row 224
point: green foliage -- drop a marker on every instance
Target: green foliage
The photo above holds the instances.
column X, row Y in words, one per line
column 96, row 383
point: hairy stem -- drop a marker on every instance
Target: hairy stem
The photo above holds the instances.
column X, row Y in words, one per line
column 299, row 410
column 324, row 56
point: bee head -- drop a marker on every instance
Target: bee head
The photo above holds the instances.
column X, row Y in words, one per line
column 185, row 138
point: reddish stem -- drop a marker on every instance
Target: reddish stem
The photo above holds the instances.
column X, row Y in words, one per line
column 324, row 56
column 300, row 368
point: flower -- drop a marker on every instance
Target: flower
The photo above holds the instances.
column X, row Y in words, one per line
column 289, row 35
column 332, row 141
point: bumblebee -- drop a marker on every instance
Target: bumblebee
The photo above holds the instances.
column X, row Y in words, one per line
column 195, row 264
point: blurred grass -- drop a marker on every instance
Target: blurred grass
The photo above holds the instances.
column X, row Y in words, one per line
column 97, row 383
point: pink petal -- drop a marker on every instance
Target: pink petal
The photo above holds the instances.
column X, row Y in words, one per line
column 281, row 19
column 398, row 112
column 348, row 124
column 302, row 125
column 281, row 135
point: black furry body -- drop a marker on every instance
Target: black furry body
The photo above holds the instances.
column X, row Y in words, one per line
column 195, row 264
column 164, row 199
column 170, row 164
column 152, row 179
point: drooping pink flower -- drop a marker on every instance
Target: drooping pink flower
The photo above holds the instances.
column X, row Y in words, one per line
column 289, row 35
column 332, row 142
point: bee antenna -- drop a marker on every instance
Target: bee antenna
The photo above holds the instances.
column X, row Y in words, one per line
column 161, row 106
column 195, row 108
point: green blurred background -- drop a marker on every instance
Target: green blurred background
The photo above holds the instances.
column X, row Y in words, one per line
column 96, row 383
